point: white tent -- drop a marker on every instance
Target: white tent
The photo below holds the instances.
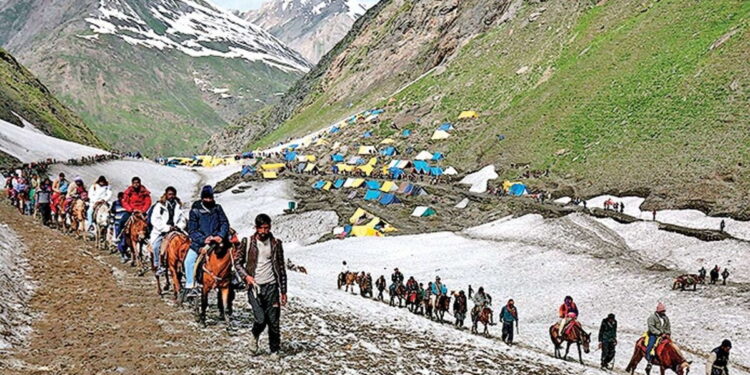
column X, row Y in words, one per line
column 440, row 134
column 348, row 183
column 450, row 171
column 463, row 203
column 423, row 211
column 424, row 155
column 401, row 164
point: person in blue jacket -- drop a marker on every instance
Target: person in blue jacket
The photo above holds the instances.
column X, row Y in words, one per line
column 207, row 224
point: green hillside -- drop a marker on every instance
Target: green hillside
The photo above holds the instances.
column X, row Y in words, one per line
column 619, row 96
column 21, row 93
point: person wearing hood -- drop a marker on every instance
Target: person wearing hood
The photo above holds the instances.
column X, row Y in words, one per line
column 567, row 308
column 207, row 224
column 99, row 192
column 167, row 216
column 261, row 266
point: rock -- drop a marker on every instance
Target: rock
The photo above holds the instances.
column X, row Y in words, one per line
column 523, row 70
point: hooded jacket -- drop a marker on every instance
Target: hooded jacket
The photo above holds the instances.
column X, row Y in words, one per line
column 204, row 222
column 99, row 193
column 136, row 200
column 160, row 218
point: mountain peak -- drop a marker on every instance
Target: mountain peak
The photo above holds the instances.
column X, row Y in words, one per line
column 193, row 27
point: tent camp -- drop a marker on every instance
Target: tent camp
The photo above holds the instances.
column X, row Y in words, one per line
column 372, row 195
column 406, row 133
column 345, row 167
column 290, row 156
column 327, row 186
column 436, row 171
column 358, row 182
column 421, row 166
column 450, row 171
column 387, row 199
column 366, row 169
column 355, row 160
column 306, row 158
column 319, row 185
column 334, row 130
column 423, row 211
column 367, row 150
column 248, row 170
column 424, row 155
column 468, row 115
column 388, row 151
column 517, row 189
column 321, row 142
column 400, row 164
column 270, row 175
column 396, row 173
column 365, row 231
column 372, row 184
column 389, row 186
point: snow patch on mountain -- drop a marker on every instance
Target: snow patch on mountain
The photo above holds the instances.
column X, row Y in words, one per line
column 196, row 28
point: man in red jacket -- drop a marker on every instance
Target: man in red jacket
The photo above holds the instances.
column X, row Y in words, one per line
column 135, row 198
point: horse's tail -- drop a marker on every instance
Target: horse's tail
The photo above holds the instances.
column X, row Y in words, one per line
column 637, row 356
column 553, row 335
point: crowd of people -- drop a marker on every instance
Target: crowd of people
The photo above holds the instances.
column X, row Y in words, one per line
column 658, row 327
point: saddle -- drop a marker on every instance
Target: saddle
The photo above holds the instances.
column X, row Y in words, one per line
column 658, row 348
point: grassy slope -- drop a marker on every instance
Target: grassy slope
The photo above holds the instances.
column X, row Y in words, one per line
column 23, row 94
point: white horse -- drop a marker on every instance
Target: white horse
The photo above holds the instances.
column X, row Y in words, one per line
column 101, row 224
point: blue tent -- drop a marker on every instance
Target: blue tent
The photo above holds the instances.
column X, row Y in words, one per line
column 367, row 134
column 500, row 137
column 438, row 156
column 377, row 111
column 517, row 189
column 372, row 184
column 446, row 126
column 388, row 151
column 436, row 171
column 406, row 133
column 352, row 119
column 293, row 146
column 290, row 156
column 338, row 158
column 334, row 130
column 372, row 195
column 421, row 166
column 319, row 185
column 396, row 172
column 408, row 189
column 339, row 183
column 387, row 199
column 247, row 155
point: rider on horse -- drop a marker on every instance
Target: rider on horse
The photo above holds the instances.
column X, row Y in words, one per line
column 481, row 300
column 166, row 217
column 438, row 288
column 99, row 193
column 135, row 198
column 411, row 285
column 564, row 313
column 207, row 224
column 658, row 329
column 397, row 278
column 59, row 190
column 77, row 191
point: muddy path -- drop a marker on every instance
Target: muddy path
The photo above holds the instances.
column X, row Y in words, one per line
column 97, row 316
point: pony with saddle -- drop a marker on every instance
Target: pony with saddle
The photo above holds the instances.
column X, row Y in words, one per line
column 175, row 247
column 685, row 281
column 483, row 316
column 215, row 272
column 666, row 355
column 101, row 224
column 397, row 292
column 442, row 304
column 573, row 333
column 136, row 233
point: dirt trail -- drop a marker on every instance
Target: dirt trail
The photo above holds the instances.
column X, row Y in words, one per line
column 97, row 316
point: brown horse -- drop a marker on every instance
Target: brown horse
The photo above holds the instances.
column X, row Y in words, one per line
column 442, row 304
column 77, row 216
column 481, row 317
column 217, row 274
column 574, row 335
column 135, row 232
column 175, row 248
column 349, row 280
column 365, row 286
column 397, row 292
column 668, row 356
column 685, row 281
column 59, row 215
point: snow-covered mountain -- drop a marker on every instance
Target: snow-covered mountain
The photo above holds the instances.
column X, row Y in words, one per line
column 185, row 68
column 312, row 27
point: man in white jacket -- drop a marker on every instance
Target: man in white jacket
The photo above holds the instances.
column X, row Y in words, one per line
column 167, row 216
column 98, row 192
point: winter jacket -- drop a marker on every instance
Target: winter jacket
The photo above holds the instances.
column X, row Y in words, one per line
column 480, row 299
column 134, row 200
column 565, row 309
column 60, row 186
column 44, row 195
column 160, row 218
column 459, row 304
column 204, row 222
column 397, row 278
column 76, row 191
column 508, row 315
column 656, row 327
column 608, row 331
column 441, row 287
column 717, row 362
column 117, row 210
column 99, row 193
column 247, row 261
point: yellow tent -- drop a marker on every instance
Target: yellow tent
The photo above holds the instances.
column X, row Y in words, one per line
column 270, row 175
column 327, row 186
column 345, row 167
column 308, row 158
column 372, row 162
column 357, row 214
column 367, row 150
column 387, row 141
column 363, row 231
column 389, row 186
column 358, row 182
column 507, row 184
column 468, row 115
column 367, row 169
column 440, row 134
column 272, row 167
column 321, row 142
column 310, row 167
